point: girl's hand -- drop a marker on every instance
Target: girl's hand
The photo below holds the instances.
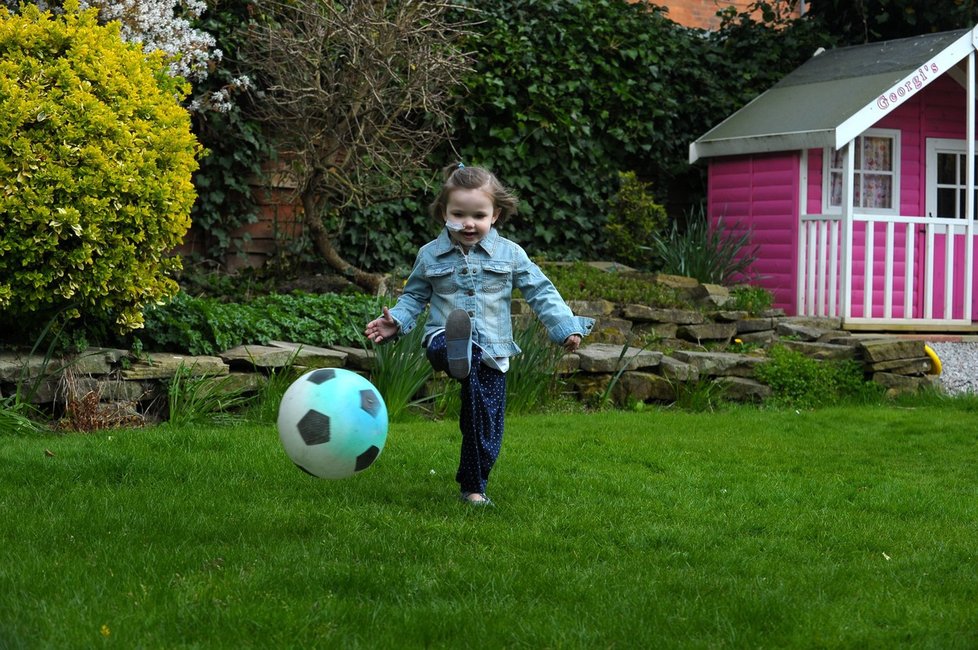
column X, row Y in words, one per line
column 383, row 329
column 572, row 342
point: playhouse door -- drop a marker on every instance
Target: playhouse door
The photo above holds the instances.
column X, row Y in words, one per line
column 941, row 244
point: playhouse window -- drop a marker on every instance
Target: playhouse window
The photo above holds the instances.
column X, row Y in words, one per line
column 947, row 180
column 876, row 177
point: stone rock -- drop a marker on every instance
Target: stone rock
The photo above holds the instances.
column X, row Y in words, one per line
column 902, row 384
column 281, row 354
column 799, row 331
column 720, row 364
column 920, row 366
column 235, row 383
column 259, row 356
column 645, row 331
column 356, row 358
column 710, row 295
column 642, row 313
column 611, row 267
column 822, row 351
column 742, row 389
column 672, row 368
column 675, row 281
column 643, row 387
column 728, row 316
column 43, row 390
column 708, row 332
column 589, row 387
column 591, row 308
column 611, row 330
column 749, row 325
column 569, row 363
column 311, row 356
column 15, row 367
column 763, row 338
column 162, row 365
column 816, row 322
column 837, row 338
column 875, row 350
column 606, row 357
column 95, row 361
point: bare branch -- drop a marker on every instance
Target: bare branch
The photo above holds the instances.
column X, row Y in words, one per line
column 357, row 93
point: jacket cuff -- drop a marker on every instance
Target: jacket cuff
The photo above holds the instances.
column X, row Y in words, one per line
column 404, row 325
column 574, row 325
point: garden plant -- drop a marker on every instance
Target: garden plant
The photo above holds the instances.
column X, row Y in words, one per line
column 97, row 167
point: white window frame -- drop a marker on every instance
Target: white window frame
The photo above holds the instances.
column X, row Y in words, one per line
column 937, row 146
column 894, row 209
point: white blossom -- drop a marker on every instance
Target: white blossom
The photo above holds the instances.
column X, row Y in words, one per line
column 164, row 25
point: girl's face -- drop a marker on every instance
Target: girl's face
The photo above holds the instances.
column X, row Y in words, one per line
column 474, row 211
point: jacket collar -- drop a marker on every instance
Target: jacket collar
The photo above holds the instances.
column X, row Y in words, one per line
column 444, row 243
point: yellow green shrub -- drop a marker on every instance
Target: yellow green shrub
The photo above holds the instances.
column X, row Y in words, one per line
column 96, row 157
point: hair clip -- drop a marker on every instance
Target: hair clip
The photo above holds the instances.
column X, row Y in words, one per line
column 461, row 166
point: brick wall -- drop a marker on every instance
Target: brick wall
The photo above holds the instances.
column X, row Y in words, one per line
column 279, row 223
column 702, row 13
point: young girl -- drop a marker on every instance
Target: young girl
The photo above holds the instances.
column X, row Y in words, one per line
column 467, row 276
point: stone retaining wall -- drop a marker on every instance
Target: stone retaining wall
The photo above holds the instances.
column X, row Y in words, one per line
column 691, row 346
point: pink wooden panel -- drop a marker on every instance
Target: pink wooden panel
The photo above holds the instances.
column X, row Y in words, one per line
column 879, row 272
column 957, row 289
column 760, row 192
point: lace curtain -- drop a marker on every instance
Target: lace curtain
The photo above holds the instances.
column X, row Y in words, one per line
column 873, row 187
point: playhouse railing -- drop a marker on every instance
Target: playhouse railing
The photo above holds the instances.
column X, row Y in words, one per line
column 891, row 270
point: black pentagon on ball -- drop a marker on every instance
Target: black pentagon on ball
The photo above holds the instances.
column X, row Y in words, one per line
column 369, row 402
column 322, row 375
column 314, row 428
column 367, row 458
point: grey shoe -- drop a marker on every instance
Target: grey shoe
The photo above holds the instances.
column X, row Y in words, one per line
column 458, row 343
column 485, row 501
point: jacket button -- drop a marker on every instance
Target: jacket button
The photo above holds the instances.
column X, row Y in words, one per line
column 471, row 314
column 470, row 292
column 464, row 271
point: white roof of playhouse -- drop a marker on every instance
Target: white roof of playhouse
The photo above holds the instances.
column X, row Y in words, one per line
column 837, row 94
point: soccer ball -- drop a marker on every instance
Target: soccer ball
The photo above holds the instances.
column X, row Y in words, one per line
column 332, row 423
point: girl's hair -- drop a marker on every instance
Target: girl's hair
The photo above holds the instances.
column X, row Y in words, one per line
column 474, row 178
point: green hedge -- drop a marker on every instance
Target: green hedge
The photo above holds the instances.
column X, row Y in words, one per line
column 565, row 95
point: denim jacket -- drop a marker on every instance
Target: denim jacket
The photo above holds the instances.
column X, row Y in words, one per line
column 482, row 283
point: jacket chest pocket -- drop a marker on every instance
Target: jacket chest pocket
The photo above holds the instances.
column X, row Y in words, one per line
column 496, row 278
column 442, row 278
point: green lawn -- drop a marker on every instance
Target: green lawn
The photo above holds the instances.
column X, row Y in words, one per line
column 854, row 528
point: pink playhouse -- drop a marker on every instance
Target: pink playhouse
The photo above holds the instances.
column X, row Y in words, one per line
column 856, row 176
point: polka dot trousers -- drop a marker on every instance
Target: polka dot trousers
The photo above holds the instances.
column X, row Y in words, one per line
column 482, row 417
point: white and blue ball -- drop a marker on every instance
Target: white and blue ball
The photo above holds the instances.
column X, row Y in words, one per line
column 332, row 423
